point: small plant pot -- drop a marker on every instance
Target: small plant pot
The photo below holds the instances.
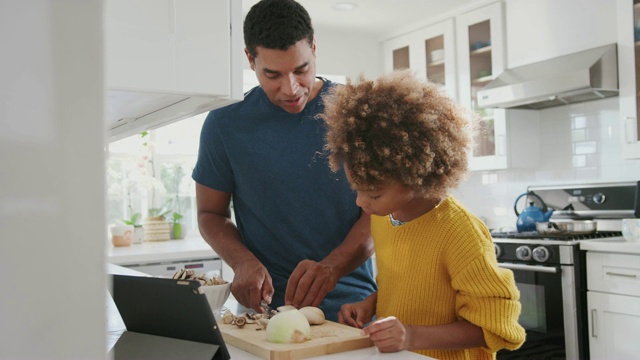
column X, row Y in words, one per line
column 138, row 234
column 178, row 231
column 156, row 228
column 121, row 235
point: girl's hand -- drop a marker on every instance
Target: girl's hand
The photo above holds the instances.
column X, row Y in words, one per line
column 388, row 334
column 358, row 314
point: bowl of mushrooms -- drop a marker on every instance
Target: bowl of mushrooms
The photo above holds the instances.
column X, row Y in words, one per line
column 215, row 289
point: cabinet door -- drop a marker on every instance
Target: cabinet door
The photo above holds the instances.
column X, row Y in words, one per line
column 628, row 63
column 481, row 57
column 168, row 46
column 614, row 325
column 429, row 52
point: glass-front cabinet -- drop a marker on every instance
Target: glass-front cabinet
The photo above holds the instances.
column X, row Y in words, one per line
column 429, row 52
column 629, row 75
column 481, row 57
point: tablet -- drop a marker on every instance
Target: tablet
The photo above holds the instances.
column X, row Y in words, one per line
column 167, row 308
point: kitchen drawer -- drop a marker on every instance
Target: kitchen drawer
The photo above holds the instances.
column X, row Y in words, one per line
column 613, row 273
column 210, row 267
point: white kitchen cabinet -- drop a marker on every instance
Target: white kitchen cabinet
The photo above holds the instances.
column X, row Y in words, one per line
column 166, row 60
column 480, row 48
column 613, row 299
column 629, row 76
column 429, row 52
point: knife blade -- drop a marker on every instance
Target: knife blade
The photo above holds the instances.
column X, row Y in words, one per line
column 266, row 307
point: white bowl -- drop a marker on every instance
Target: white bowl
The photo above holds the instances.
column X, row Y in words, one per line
column 217, row 295
column 631, row 229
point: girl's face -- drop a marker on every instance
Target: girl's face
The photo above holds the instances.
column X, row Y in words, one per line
column 392, row 197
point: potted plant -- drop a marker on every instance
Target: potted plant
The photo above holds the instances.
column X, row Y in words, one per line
column 156, row 227
column 137, row 227
column 178, row 231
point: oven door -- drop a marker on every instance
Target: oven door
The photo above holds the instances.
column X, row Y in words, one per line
column 542, row 316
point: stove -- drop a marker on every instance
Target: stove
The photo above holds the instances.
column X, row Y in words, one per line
column 550, row 269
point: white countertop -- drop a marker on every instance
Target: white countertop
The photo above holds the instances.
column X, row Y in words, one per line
column 612, row 245
column 190, row 248
column 115, row 328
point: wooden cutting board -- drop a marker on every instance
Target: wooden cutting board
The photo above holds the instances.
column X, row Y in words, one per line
column 328, row 338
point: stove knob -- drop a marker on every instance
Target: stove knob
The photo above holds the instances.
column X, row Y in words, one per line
column 498, row 250
column 599, row 198
column 523, row 252
column 540, row 254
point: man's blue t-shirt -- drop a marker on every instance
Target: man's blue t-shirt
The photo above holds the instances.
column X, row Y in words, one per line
column 288, row 204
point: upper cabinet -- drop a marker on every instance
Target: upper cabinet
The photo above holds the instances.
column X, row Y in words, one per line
column 429, row 52
column 463, row 54
column 481, row 57
column 166, row 60
column 629, row 75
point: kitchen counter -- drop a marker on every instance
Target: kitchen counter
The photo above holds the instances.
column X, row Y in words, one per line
column 190, row 248
column 115, row 328
column 612, row 245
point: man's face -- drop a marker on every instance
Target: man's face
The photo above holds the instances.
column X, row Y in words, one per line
column 287, row 77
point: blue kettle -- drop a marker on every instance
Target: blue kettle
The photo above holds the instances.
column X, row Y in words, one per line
column 532, row 214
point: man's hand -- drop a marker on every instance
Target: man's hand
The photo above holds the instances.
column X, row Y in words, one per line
column 309, row 283
column 252, row 283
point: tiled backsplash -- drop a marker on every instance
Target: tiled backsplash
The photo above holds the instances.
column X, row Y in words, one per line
column 579, row 143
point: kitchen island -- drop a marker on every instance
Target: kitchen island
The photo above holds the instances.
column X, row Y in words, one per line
column 115, row 328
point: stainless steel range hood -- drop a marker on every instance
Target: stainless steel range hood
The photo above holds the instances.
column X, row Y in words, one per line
column 578, row 77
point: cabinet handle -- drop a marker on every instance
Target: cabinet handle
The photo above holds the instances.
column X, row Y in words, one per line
column 630, row 130
column 593, row 323
column 621, row 274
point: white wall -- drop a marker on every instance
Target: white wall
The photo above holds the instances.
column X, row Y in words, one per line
column 580, row 143
column 52, row 180
column 342, row 52
column 542, row 29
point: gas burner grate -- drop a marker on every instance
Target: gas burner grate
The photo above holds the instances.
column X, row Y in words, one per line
column 561, row 237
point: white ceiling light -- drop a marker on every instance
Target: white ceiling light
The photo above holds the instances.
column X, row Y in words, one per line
column 344, row 6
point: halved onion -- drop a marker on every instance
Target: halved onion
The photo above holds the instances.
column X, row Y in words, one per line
column 288, row 327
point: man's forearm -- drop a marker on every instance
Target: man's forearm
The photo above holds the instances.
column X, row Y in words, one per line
column 356, row 248
column 222, row 235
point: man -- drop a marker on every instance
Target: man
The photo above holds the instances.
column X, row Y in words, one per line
column 299, row 238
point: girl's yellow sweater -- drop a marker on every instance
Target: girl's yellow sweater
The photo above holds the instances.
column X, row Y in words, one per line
column 441, row 267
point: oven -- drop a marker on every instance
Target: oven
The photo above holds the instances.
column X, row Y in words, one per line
column 550, row 269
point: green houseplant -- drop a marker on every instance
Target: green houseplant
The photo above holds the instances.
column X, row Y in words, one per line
column 138, row 232
column 178, row 231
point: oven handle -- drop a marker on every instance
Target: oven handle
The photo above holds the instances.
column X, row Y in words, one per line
column 533, row 268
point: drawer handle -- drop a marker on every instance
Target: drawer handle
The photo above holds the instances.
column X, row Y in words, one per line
column 593, row 323
column 621, row 274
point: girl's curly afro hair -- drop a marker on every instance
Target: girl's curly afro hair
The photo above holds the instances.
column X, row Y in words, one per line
column 398, row 128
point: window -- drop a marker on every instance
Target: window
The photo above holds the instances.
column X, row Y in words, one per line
column 152, row 170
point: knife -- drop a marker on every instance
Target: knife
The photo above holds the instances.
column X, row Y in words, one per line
column 266, row 307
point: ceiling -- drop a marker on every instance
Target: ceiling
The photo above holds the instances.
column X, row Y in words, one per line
column 375, row 17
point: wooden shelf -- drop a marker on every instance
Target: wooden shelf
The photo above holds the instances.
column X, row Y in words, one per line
column 482, row 80
column 436, row 63
column 482, row 51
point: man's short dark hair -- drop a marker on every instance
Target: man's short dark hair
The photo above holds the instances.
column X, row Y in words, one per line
column 276, row 24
